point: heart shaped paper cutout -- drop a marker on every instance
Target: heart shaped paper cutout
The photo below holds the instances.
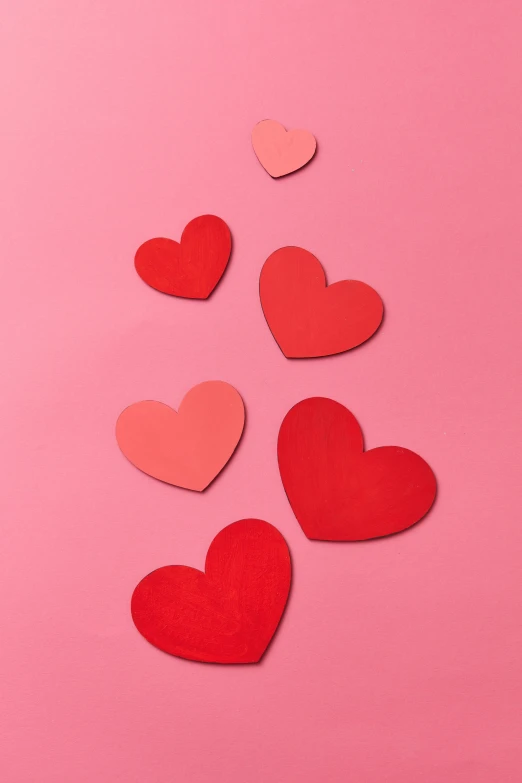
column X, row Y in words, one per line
column 337, row 491
column 192, row 267
column 229, row 613
column 187, row 448
column 280, row 151
column 308, row 318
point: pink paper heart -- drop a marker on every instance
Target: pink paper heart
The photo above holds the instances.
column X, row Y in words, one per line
column 187, row 448
column 280, row 151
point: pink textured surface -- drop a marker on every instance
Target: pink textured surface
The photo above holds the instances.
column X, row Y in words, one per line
column 397, row 660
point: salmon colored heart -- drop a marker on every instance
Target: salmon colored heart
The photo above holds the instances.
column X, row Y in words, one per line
column 280, row 151
column 191, row 268
column 309, row 318
column 229, row 613
column 337, row 491
column 188, row 448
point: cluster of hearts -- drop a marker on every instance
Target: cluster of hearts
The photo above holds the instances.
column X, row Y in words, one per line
column 338, row 492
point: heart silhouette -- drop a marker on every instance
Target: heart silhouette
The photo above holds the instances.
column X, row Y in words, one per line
column 187, row 448
column 308, row 318
column 280, row 151
column 192, row 267
column 229, row 613
column 337, row 491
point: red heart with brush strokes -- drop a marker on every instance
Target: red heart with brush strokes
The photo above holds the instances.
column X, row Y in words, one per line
column 192, row 267
column 337, row 491
column 309, row 318
column 229, row 612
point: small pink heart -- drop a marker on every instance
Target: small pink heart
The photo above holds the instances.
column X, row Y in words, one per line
column 187, row 448
column 280, row 151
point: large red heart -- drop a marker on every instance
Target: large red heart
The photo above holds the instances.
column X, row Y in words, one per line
column 337, row 491
column 308, row 318
column 229, row 613
column 192, row 267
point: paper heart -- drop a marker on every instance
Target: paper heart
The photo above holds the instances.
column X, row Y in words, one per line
column 192, row 267
column 229, row 613
column 280, row 151
column 188, row 448
column 337, row 491
column 308, row 318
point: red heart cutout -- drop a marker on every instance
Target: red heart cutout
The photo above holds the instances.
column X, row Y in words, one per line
column 337, row 491
column 309, row 318
column 229, row 613
column 192, row 267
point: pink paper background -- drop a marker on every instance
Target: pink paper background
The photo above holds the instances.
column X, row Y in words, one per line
column 397, row 660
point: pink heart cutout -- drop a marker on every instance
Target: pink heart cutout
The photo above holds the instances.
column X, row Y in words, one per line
column 187, row 448
column 280, row 151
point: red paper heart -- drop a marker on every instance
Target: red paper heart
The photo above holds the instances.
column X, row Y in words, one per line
column 192, row 267
column 229, row 613
column 337, row 491
column 306, row 317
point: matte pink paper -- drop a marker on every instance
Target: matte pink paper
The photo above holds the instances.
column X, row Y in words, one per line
column 397, row 660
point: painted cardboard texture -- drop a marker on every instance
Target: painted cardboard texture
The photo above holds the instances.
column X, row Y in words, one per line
column 229, row 612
